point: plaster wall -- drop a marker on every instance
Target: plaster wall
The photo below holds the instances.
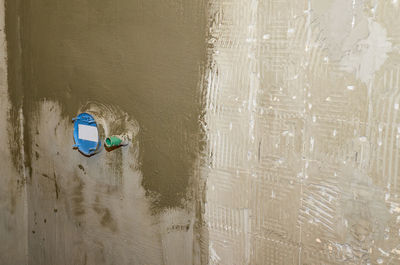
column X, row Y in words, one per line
column 266, row 132
column 136, row 66
column 13, row 206
column 303, row 126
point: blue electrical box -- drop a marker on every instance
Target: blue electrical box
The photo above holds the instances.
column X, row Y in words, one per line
column 86, row 134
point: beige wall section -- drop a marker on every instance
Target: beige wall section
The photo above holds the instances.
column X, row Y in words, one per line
column 13, row 219
column 304, row 132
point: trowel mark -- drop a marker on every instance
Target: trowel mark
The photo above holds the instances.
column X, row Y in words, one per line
column 106, row 219
column 369, row 54
column 54, row 179
column 78, row 197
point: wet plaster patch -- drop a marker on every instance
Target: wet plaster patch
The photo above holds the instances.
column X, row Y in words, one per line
column 102, row 213
column 92, row 206
column 143, row 56
column 147, row 58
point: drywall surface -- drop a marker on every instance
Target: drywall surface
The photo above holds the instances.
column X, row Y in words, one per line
column 13, row 217
column 303, row 126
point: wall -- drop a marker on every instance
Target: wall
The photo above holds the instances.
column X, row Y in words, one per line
column 266, row 132
column 302, row 114
column 136, row 65
column 13, row 208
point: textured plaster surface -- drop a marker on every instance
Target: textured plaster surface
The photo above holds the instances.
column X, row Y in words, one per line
column 303, row 128
column 301, row 102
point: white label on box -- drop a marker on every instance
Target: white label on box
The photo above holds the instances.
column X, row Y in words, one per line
column 88, row 133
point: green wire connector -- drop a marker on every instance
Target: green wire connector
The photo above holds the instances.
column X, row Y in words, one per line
column 116, row 140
